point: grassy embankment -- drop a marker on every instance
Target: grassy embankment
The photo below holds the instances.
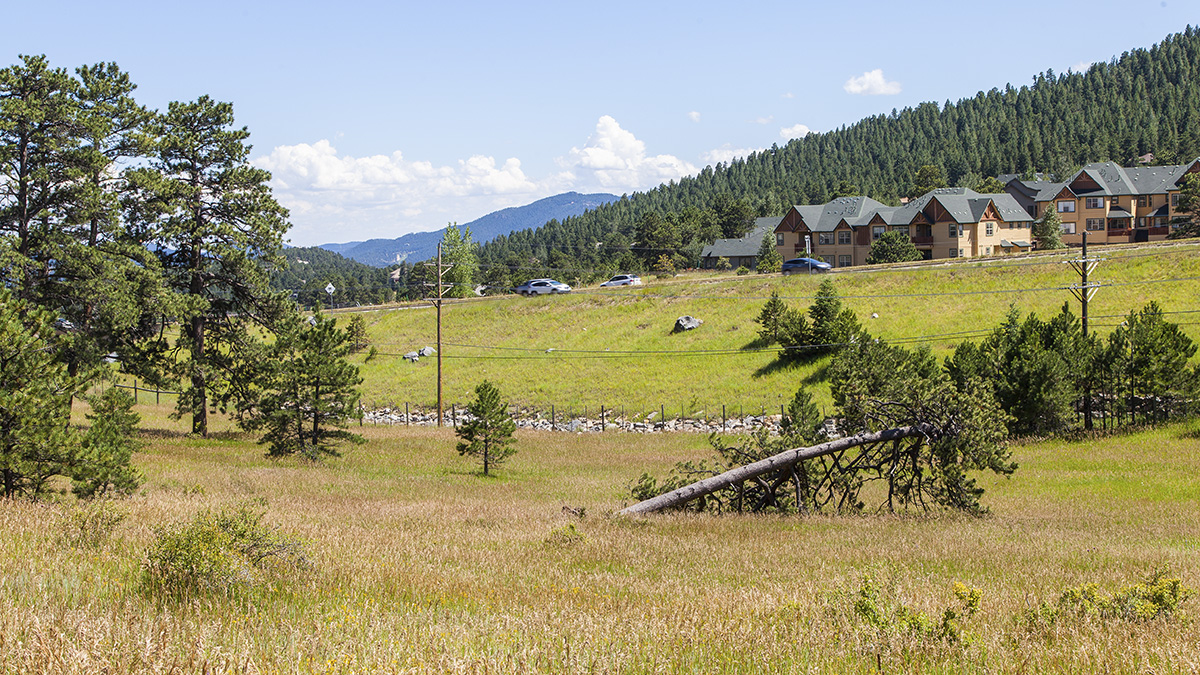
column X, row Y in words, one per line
column 926, row 301
column 422, row 565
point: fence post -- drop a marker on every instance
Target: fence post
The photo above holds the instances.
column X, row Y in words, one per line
column 407, row 418
column 453, row 416
column 602, row 417
column 135, row 392
column 552, row 428
column 722, row 417
column 156, row 393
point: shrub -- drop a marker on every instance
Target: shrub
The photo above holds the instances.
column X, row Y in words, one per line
column 221, row 552
column 742, row 271
column 1158, row 597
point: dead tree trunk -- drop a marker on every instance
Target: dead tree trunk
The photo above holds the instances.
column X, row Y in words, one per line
column 780, row 462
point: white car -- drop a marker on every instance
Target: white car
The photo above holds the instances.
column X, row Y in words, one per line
column 542, row 287
column 623, row 280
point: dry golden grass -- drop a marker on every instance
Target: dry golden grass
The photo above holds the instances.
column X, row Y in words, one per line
column 425, row 566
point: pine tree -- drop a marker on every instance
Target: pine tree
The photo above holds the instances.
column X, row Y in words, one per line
column 487, row 433
column 311, row 393
column 771, row 319
column 768, row 260
column 219, row 230
column 1047, row 231
column 103, row 467
column 892, row 247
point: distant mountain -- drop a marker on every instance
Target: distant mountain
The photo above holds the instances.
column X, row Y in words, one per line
column 423, row 245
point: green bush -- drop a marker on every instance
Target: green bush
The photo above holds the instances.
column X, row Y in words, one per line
column 1158, row 597
column 221, row 551
column 742, row 271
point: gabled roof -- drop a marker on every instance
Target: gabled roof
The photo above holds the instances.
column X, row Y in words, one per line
column 1112, row 179
column 826, row 217
column 746, row 246
column 964, row 206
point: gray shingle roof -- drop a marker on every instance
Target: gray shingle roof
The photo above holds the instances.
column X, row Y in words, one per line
column 1113, row 180
column 744, row 246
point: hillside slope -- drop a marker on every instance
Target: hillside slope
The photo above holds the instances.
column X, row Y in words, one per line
column 615, row 347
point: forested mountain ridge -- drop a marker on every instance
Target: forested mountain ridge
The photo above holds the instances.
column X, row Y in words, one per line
column 423, row 245
column 309, row 269
column 1147, row 100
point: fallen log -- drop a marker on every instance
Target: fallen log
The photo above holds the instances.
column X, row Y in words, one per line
column 779, row 462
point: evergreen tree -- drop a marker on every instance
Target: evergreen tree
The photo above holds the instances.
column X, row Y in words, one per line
column 892, row 247
column 103, row 466
column 311, row 393
column 487, row 432
column 771, row 319
column 356, row 334
column 768, row 260
column 36, row 441
column 220, row 230
column 927, row 179
column 1187, row 223
column 1047, row 230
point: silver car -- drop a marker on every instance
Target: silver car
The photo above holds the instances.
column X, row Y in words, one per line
column 623, row 280
column 542, row 287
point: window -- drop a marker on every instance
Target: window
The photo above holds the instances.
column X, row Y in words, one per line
column 1068, row 228
column 779, row 239
column 988, row 250
column 1175, row 200
column 844, row 238
column 1066, row 206
column 1143, row 200
column 953, row 253
column 1141, row 222
column 845, row 261
column 953, row 230
column 902, row 229
column 960, row 253
column 990, row 228
column 1094, row 202
column 1094, row 224
column 877, row 232
column 825, row 239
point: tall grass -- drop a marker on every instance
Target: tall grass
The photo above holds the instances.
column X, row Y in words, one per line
column 423, row 565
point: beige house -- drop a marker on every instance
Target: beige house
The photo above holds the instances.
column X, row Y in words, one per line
column 944, row 223
column 1113, row 204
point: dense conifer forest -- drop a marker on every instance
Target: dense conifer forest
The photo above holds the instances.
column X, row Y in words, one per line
column 1145, row 101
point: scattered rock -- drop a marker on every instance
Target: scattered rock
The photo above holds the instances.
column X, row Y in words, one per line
column 686, row 322
column 412, row 356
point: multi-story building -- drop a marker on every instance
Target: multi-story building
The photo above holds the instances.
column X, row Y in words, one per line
column 944, row 223
column 1113, row 204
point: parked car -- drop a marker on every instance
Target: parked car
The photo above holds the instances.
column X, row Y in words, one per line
column 542, row 287
column 797, row 265
column 623, row 280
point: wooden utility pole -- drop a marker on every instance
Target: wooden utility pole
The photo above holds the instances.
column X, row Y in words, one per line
column 439, row 332
column 1084, row 292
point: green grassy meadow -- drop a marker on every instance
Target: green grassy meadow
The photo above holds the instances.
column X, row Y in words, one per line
column 505, row 339
column 422, row 565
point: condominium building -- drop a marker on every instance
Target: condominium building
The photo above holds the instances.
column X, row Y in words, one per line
column 944, row 223
column 1113, row 204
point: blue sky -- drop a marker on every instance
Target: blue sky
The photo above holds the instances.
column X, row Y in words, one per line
column 383, row 118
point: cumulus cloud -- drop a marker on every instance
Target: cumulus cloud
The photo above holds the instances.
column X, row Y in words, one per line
column 795, row 131
column 614, row 159
column 764, row 120
column 694, row 116
column 1081, row 67
column 871, row 83
column 327, row 191
column 334, row 197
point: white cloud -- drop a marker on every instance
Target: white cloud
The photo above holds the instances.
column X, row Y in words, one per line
column 727, row 153
column 789, row 95
column 694, row 116
column 384, row 195
column 765, row 120
column 1082, row 66
column 337, row 198
column 615, row 160
column 795, row 131
column 871, row 83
